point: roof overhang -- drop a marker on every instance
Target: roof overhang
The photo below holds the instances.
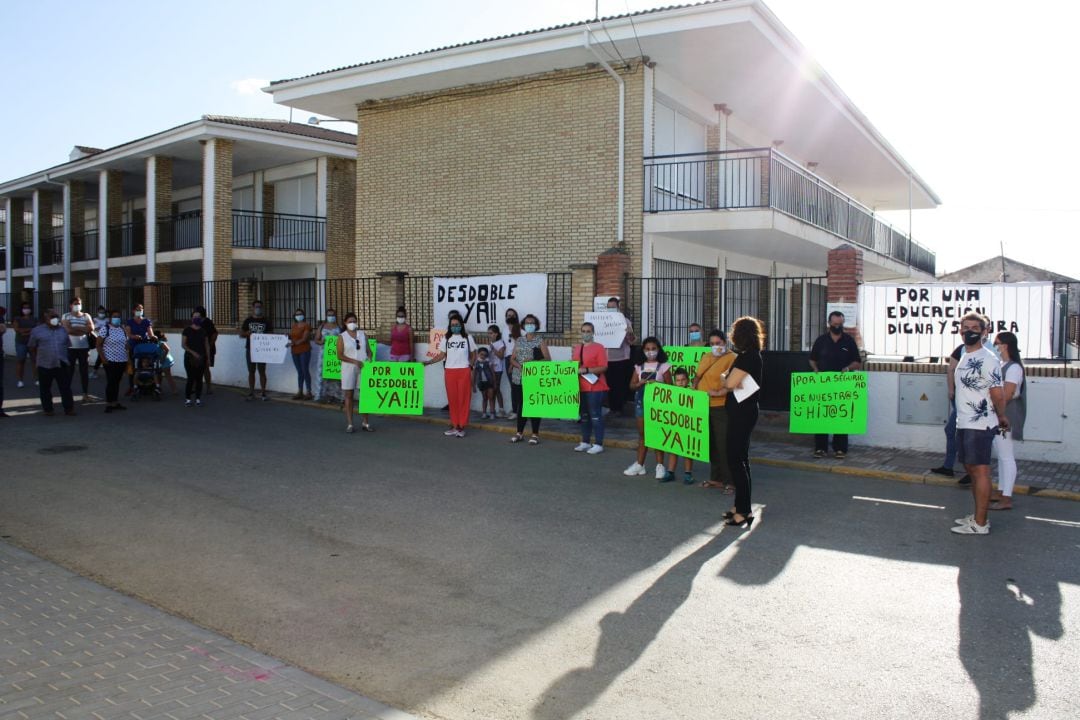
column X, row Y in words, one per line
column 736, row 53
column 255, row 148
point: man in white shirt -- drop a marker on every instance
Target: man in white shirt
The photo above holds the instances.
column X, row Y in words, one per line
column 979, row 398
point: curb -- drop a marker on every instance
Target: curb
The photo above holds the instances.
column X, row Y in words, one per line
column 913, row 478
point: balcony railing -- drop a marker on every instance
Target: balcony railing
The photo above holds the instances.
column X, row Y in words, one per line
column 127, row 239
column 52, row 249
column 764, row 178
column 22, row 257
column 84, row 245
column 180, row 232
column 278, row 231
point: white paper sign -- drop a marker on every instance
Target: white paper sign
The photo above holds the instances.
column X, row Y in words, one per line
column 268, row 348
column 484, row 299
column 609, row 328
column 923, row 320
column 599, row 302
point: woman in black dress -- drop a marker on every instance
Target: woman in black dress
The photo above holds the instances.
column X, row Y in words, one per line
column 747, row 338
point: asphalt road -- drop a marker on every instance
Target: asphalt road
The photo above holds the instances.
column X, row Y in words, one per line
column 471, row 578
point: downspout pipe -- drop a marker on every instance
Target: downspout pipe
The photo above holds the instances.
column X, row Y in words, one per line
column 620, row 203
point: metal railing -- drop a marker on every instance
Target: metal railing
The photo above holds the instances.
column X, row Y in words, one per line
column 278, row 231
column 127, row 239
column 84, row 246
column 179, row 232
column 420, row 303
column 765, row 178
column 176, row 302
column 52, row 249
column 22, row 257
column 121, row 298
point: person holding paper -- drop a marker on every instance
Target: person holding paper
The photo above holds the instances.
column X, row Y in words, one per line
column 256, row 322
column 835, row 351
column 742, row 382
column 352, row 350
column 457, row 352
column 619, row 363
column 527, row 348
column 709, row 378
column 300, row 344
column 592, row 366
column 655, row 369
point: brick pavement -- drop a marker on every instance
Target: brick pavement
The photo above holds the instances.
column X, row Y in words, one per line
column 70, row 648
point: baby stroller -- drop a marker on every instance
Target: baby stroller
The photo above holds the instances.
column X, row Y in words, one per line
column 146, row 368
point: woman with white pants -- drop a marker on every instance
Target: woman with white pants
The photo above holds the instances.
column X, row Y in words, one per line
column 1012, row 375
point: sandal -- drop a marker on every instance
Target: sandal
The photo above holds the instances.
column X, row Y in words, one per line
column 729, row 489
column 516, row 439
column 997, row 505
column 711, row 484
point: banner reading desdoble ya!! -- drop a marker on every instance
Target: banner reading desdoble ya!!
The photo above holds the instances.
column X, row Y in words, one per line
column 483, row 300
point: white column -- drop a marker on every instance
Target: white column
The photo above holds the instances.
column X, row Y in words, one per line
column 151, row 219
column 257, row 188
column 321, row 172
column 9, row 245
column 647, row 142
column 35, row 233
column 209, row 183
column 103, row 228
column 67, row 235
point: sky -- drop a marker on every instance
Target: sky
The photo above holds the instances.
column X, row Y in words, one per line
column 979, row 97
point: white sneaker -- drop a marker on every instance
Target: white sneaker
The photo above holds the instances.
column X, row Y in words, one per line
column 500, row 414
column 460, row 433
column 93, row 375
column 595, row 450
column 348, row 428
column 452, row 432
column 635, row 469
column 971, row 528
column 964, row 520
column 20, row 384
column 187, row 403
column 198, row 402
column 582, row 447
column 661, row 471
column 511, row 416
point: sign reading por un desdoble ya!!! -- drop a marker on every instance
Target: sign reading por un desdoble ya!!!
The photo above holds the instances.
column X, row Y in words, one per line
column 391, row 388
column 483, row 300
column 677, row 420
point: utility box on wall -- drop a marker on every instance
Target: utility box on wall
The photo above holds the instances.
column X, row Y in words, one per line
column 1045, row 410
column 923, row 399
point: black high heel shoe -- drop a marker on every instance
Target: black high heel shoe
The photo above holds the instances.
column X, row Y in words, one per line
column 745, row 523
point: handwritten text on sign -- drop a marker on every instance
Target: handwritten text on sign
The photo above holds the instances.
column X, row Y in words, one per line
column 435, row 336
column 483, row 300
column 268, row 348
column 550, row 390
column 609, row 328
column 331, row 363
column 680, row 356
column 389, row 388
column 828, row 402
column 677, row 420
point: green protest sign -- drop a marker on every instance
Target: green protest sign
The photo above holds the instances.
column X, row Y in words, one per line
column 828, row 403
column 373, row 345
column 550, row 390
column 677, row 420
column 686, row 357
column 331, row 364
column 390, row 388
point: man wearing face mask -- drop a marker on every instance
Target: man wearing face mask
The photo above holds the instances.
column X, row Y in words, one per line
column 835, row 351
column 80, row 329
column 256, row 322
column 49, row 344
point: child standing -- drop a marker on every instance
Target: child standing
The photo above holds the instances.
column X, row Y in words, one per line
column 484, row 381
column 681, row 378
column 167, row 361
column 654, row 369
column 498, row 365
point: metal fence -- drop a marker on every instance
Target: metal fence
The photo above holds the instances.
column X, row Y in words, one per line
column 765, row 178
column 84, row 245
column 791, row 308
column 179, row 232
column 127, row 239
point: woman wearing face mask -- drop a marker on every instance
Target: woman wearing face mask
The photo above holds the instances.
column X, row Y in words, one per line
column 592, row 367
column 655, row 369
column 326, row 337
column 528, row 347
column 513, row 333
column 24, row 323
column 300, row 343
column 112, row 345
column 401, row 340
column 1007, row 346
column 747, row 339
column 710, row 379
column 196, row 347
column 101, row 319
column 694, row 335
column 458, row 353
column 352, row 349
column 80, row 330
column 139, row 328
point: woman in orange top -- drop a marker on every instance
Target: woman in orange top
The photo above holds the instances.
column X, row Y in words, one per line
column 710, row 378
column 300, row 342
column 592, row 382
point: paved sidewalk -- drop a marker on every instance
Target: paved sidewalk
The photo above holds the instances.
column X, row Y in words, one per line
column 70, row 648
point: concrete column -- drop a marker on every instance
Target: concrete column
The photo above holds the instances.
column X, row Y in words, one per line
column 110, row 214
column 9, row 239
column 67, row 235
column 158, row 204
column 217, row 212
column 35, row 245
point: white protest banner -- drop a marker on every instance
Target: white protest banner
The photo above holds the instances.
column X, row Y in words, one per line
column 269, row 348
column 484, row 299
column 609, row 328
column 923, row 320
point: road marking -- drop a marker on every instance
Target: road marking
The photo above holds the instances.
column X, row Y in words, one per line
column 898, row 502
column 1066, row 523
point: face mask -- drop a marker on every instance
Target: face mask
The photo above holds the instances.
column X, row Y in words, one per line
column 257, row 312
column 196, row 321
column 482, row 359
column 972, row 337
column 651, row 354
column 115, row 321
column 54, row 321
column 455, row 329
column 101, row 316
column 586, row 337
column 26, row 311
column 331, row 318
column 530, row 328
column 836, row 329
column 138, row 313
column 511, row 320
column 401, row 319
column 351, row 326
column 695, row 335
column 612, row 309
column 298, row 318
column 719, row 350
column 76, row 308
